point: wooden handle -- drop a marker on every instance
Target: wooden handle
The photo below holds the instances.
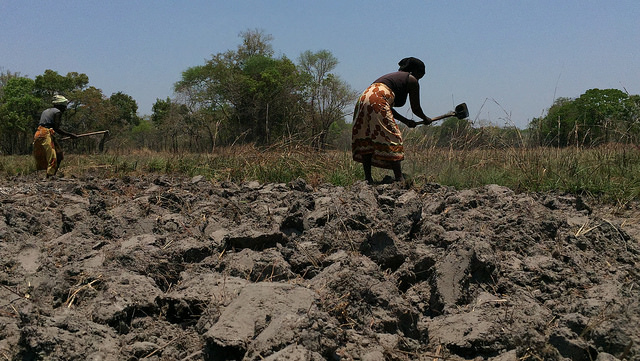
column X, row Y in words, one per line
column 87, row 134
column 450, row 114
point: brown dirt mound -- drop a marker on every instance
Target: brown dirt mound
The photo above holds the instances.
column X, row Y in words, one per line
column 183, row 269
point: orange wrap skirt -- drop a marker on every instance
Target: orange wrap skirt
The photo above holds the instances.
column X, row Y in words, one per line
column 375, row 130
column 46, row 151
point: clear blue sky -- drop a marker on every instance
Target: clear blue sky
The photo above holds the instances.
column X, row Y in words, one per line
column 506, row 59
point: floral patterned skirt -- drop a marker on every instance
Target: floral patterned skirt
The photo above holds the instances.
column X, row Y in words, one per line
column 46, row 151
column 375, row 131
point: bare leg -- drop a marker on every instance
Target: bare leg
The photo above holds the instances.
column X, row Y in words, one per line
column 397, row 171
column 366, row 165
column 59, row 155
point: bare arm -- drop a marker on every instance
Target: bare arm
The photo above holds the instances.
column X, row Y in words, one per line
column 408, row 122
column 414, row 99
column 65, row 133
column 57, row 129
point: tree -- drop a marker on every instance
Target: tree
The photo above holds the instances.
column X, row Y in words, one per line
column 160, row 110
column 597, row 116
column 555, row 127
column 127, row 108
column 328, row 95
column 632, row 114
column 601, row 112
column 22, row 100
column 142, row 133
column 171, row 120
column 90, row 110
column 243, row 95
column 209, row 91
column 197, row 90
column 5, row 76
column 19, row 108
column 255, row 43
column 249, row 95
column 270, row 96
column 51, row 83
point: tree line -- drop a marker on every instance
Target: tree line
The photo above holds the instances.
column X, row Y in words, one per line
column 596, row 117
column 599, row 116
column 23, row 99
column 248, row 95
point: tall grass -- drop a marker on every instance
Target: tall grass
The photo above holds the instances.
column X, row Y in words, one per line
column 609, row 172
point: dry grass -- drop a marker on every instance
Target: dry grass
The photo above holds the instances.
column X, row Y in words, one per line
column 611, row 172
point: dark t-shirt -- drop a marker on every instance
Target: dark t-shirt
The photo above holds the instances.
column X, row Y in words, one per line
column 398, row 82
column 50, row 118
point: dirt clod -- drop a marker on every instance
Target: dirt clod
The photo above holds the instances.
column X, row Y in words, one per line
column 185, row 269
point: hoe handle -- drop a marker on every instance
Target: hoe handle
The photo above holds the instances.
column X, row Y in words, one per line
column 88, row 134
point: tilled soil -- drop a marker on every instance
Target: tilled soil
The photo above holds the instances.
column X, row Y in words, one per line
column 183, row 269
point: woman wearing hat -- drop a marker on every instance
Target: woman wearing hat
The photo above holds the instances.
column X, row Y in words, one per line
column 46, row 150
column 376, row 139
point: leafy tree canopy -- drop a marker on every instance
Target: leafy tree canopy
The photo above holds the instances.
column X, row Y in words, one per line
column 18, row 105
column 51, row 83
column 597, row 116
column 127, row 108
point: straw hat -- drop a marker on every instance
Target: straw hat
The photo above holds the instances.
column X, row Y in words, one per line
column 60, row 100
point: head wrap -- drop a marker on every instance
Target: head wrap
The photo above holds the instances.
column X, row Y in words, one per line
column 412, row 65
column 60, row 100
